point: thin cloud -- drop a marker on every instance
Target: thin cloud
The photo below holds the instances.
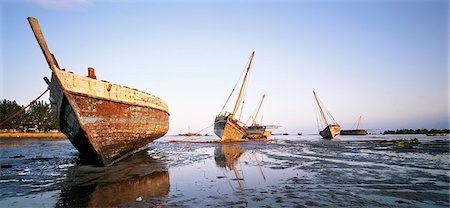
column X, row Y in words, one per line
column 61, row 4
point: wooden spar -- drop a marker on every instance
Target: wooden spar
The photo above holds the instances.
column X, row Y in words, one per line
column 359, row 121
column 259, row 108
column 237, row 175
column 236, row 106
column 320, row 108
column 42, row 43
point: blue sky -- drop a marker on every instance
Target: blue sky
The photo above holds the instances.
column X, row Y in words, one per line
column 384, row 60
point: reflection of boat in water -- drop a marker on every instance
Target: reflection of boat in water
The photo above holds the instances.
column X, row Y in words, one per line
column 355, row 131
column 226, row 155
column 330, row 130
column 101, row 120
column 136, row 176
column 226, row 127
column 147, row 187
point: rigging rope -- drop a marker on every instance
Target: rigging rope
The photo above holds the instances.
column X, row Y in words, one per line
column 243, row 97
column 235, row 85
column 204, row 128
column 23, row 109
column 317, row 117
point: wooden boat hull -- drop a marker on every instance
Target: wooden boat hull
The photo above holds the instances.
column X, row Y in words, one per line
column 99, row 122
column 354, row 132
column 330, row 131
column 228, row 130
column 257, row 132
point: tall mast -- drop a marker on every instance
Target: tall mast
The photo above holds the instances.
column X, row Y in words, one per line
column 42, row 43
column 236, row 106
column 259, row 107
column 359, row 121
column 320, row 108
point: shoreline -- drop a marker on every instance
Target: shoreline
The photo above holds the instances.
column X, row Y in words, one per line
column 32, row 135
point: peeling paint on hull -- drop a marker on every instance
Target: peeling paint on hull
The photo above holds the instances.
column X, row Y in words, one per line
column 104, row 128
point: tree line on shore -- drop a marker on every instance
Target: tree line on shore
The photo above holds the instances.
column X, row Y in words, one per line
column 38, row 117
column 416, row 131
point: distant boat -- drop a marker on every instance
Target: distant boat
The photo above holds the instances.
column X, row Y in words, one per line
column 257, row 131
column 436, row 134
column 331, row 128
column 226, row 127
column 190, row 134
column 355, row 131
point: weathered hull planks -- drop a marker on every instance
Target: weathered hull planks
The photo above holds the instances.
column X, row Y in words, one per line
column 228, row 130
column 101, row 127
column 256, row 132
column 330, row 131
column 115, row 129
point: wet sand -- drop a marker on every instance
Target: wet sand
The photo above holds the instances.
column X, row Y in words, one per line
column 302, row 171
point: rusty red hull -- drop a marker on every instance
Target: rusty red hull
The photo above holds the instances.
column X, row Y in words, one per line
column 102, row 128
column 114, row 129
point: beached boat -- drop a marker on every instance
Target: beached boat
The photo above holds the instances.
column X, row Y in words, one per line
column 226, row 127
column 257, row 131
column 102, row 120
column 355, row 131
column 331, row 127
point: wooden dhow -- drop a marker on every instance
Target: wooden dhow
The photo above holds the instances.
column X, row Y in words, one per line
column 102, row 120
column 255, row 130
column 226, row 127
column 331, row 128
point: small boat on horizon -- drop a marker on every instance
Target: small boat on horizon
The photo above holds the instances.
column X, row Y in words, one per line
column 332, row 128
column 436, row 134
column 226, row 127
column 190, row 134
column 355, row 131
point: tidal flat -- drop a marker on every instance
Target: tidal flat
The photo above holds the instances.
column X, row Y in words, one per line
column 287, row 171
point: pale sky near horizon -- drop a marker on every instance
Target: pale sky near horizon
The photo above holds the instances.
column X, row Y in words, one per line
column 384, row 60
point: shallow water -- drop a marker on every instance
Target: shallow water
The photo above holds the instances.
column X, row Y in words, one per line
column 288, row 171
